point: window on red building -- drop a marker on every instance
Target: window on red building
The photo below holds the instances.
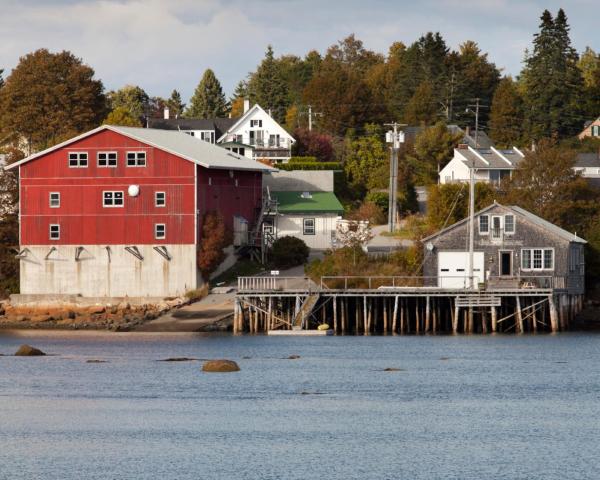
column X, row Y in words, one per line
column 160, row 231
column 78, row 159
column 112, row 199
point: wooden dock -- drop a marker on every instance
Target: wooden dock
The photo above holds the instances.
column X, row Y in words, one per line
column 401, row 305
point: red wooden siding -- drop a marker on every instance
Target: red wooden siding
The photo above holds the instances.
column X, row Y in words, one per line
column 81, row 215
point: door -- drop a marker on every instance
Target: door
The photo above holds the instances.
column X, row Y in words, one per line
column 506, row 264
column 453, row 269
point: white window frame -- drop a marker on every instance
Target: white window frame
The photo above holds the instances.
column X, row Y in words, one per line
column 492, row 235
column 82, row 159
column 514, row 224
column 157, row 236
column 532, row 267
column 314, row 226
column 107, row 160
column 256, row 123
column 50, row 199
column 113, row 205
column 164, row 199
column 57, row 231
column 138, row 154
column 481, row 232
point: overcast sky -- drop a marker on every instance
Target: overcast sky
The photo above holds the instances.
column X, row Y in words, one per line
column 166, row 44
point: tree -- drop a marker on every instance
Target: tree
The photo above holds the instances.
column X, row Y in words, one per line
column 9, row 225
column 545, row 183
column 175, row 105
column 1, row 77
column 506, row 115
column 214, row 239
column 268, row 88
column 50, row 97
column 552, row 81
column 434, row 148
column 133, row 99
column 287, row 252
column 589, row 65
column 122, row 117
column 313, row 144
column 208, row 100
column 422, row 107
column 367, row 163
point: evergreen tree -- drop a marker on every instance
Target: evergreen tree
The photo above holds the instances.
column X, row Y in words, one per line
column 237, row 99
column 268, row 88
column 553, row 83
column 208, row 100
column 175, row 105
column 506, row 115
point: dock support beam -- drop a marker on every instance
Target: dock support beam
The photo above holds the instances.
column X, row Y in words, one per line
column 494, row 320
column 553, row 314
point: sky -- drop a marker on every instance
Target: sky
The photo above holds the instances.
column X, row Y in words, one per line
column 165, row 44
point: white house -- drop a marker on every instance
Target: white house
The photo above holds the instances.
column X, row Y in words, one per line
column 490, row 164
column 256, row 128
column 588, row 165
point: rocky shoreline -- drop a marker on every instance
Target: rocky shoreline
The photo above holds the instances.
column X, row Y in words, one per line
column 122, row 317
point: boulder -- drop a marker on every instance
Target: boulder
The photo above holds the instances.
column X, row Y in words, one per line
column 28, row 351
column 293, row 357
column 393, row 369
column 220, row 366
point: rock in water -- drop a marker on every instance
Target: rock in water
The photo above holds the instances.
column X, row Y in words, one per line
column 220, row 366
column 28, row 351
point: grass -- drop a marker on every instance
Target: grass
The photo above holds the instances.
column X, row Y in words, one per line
column 401, row 234
column 242, row 268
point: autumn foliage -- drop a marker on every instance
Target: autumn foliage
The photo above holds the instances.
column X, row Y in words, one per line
column 215, row 238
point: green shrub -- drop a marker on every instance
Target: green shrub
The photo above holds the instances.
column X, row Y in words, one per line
column 287, row 252
column 303, row 159
column 309, row 166
column 381, row 199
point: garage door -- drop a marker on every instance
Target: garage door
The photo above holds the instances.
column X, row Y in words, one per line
column 453, row 269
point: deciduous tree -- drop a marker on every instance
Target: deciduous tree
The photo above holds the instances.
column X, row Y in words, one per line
column 123, row 117
column 214, row 239
column 133, row 99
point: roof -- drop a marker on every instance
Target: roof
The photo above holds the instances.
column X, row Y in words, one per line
column 491, row 158
column 587, row 160
column 219, row 125
column 189, row 148
column 539, row 221
column 483, row 141
column 317, row 202
column 240, row 120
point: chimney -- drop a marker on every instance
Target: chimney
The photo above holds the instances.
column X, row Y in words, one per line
column 467, row 131
column 270, row 113
column 166, row 113
column 246, row 105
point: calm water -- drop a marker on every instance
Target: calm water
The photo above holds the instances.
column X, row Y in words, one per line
column 464, row 408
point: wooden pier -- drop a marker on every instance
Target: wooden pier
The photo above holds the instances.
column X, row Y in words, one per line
column 402, row 305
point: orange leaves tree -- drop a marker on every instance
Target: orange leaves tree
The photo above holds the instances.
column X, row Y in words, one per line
column 215, row 237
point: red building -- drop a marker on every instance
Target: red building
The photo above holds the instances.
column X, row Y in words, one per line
column 118, row 211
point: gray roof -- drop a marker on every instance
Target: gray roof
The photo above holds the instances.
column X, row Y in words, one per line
column 587, row 160
column 483, row 140
column 493, row 157
column 219, row 125
column 540, row 222
column 177, row 143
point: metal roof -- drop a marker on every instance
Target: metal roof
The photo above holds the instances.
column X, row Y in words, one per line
column 490, row 158
column 587, row 160
column 315, row 202
column 219, row 125
column 177, row 143
column 540, row 222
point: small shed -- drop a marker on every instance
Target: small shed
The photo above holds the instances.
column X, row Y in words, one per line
column 512, row 248
column 310, row 216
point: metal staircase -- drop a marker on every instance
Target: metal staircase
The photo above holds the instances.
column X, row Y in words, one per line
column 260, row 239
column 304, row 311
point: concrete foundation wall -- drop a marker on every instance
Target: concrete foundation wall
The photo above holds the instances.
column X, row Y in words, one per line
column 99, row 274
column 299, row 181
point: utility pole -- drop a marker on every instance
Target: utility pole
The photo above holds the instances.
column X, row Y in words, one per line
column 310, row 116
column 472, row 193
column 395, row 138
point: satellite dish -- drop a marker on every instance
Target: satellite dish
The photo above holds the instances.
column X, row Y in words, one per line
column 429, row 246
column 133, row 190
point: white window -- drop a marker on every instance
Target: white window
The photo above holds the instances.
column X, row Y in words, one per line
column 54, row 199
column 160, row 231
column 256, row 123
column 107, row 159
column 208, row 136
column 54, row 231
column 78, row 159
column 308, row 226
column 136, row 159
column 160, row 199
column 595, row 130
column 509, row 224
column 537, row 259
column 496, row 227
column 112, row 199
column 484, row 224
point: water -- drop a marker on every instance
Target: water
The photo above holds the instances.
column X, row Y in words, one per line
column 466, row 407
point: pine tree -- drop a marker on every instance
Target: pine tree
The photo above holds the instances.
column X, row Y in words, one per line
column 422, row 107
column 553, row 83
column 506, row 115
column 268, row 88
column 175, row 105
column 208, row 100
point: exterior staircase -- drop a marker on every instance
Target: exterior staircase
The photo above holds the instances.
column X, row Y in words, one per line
column 305, row 311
